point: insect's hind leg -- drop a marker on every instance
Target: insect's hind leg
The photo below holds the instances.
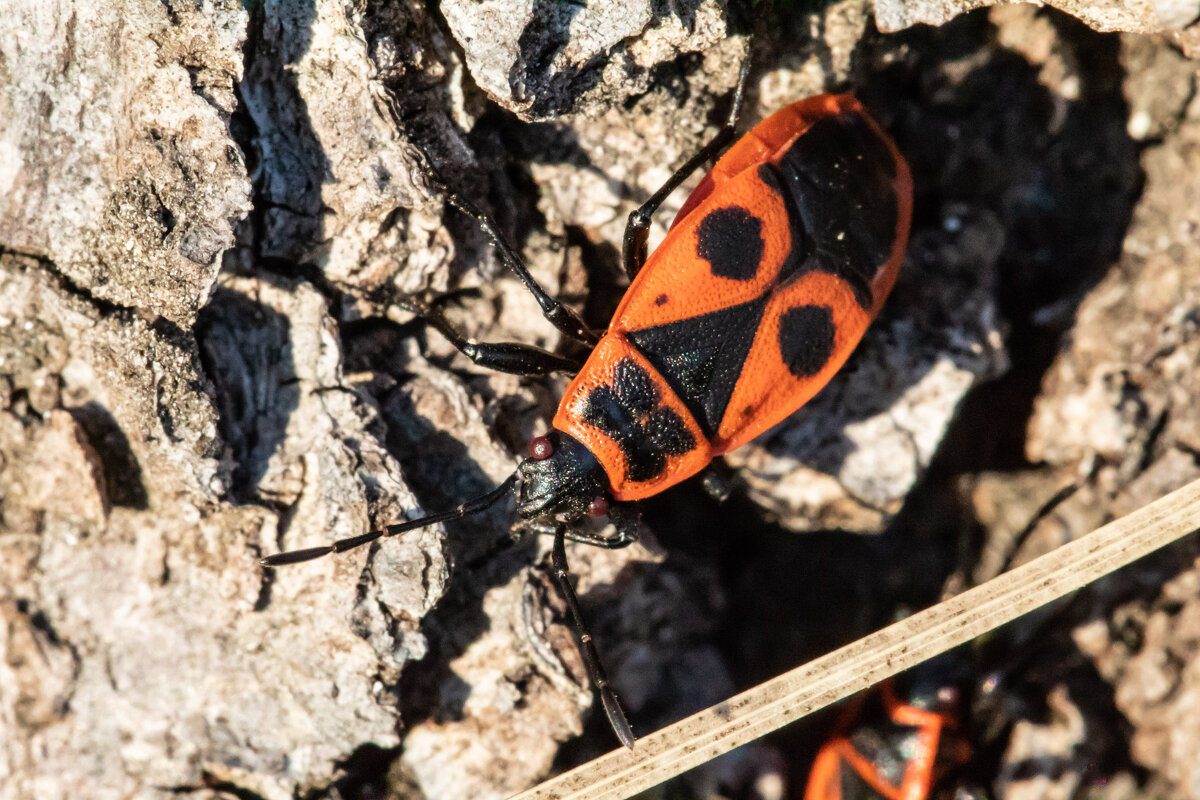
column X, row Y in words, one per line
column 511, row 357
column 559, row 315
column 637, row 230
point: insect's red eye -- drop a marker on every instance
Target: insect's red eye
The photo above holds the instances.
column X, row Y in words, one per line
column 540, row 448
column 598, row 507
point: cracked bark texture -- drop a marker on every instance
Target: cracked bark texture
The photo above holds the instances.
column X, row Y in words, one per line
column 208, row 211
column 1139, row 16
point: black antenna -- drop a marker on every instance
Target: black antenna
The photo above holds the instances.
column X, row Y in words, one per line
column 341, row 545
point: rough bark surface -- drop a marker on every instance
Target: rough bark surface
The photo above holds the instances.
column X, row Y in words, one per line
column 116, row 163
column 208, row 214
column 1138, row 16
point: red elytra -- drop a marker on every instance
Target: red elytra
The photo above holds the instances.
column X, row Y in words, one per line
column 764, row 285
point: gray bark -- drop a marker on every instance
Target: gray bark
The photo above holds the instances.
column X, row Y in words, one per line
column 207, row 213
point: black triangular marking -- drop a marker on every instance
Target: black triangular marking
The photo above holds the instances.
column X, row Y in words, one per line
column 701, row 357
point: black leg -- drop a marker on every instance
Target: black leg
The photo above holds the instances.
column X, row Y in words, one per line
column 561, row 317
column 638, row 228
column 591, row 658
column 625, row 517
column 518, row 359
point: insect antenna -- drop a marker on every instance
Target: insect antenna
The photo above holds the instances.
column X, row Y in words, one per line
column 474, row 506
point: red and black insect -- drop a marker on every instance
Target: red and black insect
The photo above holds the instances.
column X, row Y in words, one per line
column 760, row 291
column 894, row 753
column 891, row 749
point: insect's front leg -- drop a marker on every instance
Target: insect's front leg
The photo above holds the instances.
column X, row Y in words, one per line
column 625, row 516
column 511, row 357
column 591, row 657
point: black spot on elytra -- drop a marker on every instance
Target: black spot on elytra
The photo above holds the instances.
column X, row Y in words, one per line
column 806, row 339
column 730, row 240
column 661, row 300
column 628, row 411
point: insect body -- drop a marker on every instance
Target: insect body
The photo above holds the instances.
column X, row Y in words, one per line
column 762, row 288
column 764, row 285
column 895, row 756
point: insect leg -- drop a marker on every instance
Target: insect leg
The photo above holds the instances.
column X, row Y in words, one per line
column 561, row 317
column 518, row 359
column 591, row 658
column 625, row 517
column 637, row 230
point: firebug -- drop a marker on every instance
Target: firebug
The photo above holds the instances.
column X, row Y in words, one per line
column 763, row 286
column 895, row 754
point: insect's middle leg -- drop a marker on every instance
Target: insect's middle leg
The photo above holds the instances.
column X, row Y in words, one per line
column 637, row 230
column 511, row 357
